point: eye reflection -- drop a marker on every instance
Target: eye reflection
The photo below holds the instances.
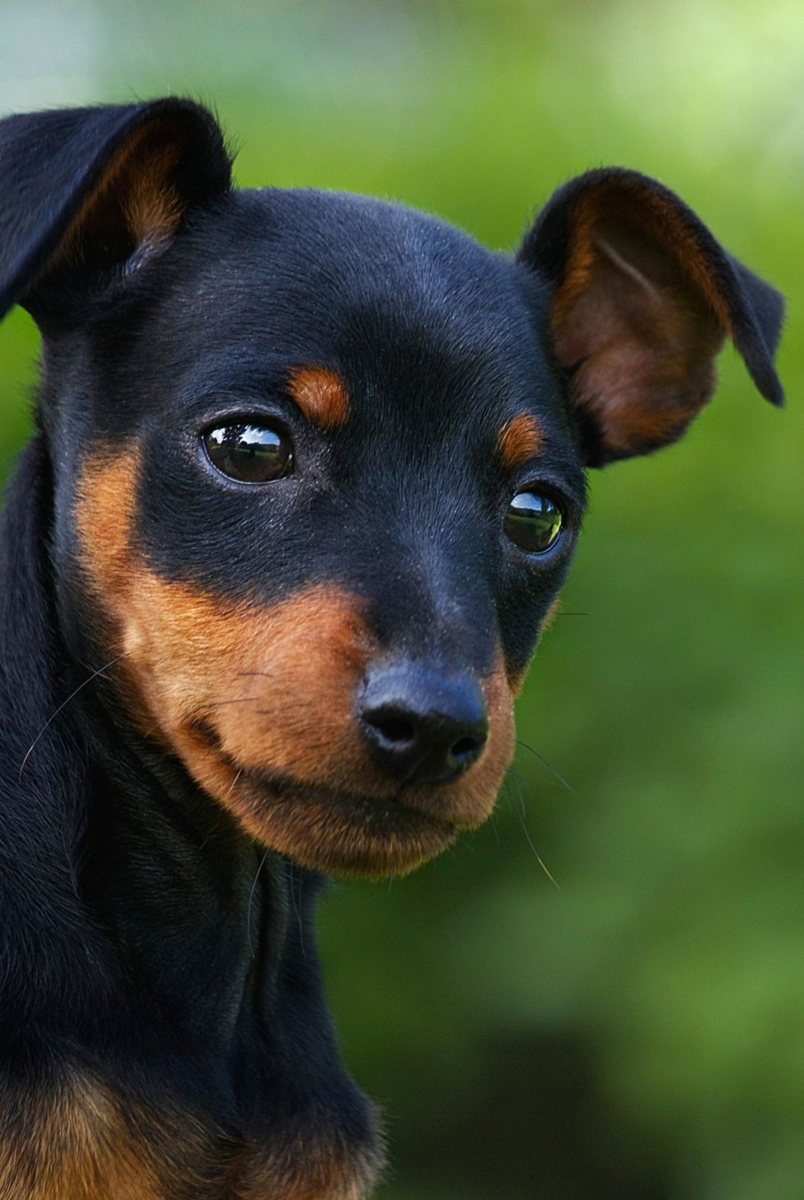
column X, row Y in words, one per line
column 533, row 522
column 250, row 453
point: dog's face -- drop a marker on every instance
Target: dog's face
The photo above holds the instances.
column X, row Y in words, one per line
column 323, row 517
column 319, row 462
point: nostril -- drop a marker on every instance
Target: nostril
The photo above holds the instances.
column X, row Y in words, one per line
column 466, row 746
column 394, row 730
column 467, row 750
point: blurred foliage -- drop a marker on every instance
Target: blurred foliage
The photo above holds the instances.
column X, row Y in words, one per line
column 638, row 1032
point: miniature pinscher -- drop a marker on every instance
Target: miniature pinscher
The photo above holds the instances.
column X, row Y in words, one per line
column 308, row 475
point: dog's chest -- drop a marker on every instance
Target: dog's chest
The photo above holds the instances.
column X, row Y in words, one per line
column 303, row 1171
column 305, row 1163
column 309, row 1155
column 84, row 1141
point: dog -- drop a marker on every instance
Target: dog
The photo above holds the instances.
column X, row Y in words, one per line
column 308, row 475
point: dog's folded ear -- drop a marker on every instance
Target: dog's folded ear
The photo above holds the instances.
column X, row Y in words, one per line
column 642, row 297
column 89, row 195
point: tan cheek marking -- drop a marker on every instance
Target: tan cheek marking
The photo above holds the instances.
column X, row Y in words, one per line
column 519, row 440
column 321, row 395
column 275, row 684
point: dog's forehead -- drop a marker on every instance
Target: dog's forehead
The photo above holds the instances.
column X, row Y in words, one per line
column 364, row 250
column 401, row 301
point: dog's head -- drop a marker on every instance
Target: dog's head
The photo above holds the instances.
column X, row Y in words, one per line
column 319, row 460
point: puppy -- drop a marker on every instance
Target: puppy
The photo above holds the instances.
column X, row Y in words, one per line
column 307, row 479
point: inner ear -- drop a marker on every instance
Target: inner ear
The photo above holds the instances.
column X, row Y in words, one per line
column 88, row 195
column 136, row 207
column 637, row 323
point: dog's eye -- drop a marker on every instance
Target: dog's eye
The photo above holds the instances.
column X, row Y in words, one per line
column 533, row 522
column 249, row 453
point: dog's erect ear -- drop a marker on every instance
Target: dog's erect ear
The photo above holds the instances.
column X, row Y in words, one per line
column 88, row 195
column 642, row 297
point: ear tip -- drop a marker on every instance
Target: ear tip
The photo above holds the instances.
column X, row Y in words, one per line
column 218, row 155
column 763, row 372
column 773, row 391
column 758, row 310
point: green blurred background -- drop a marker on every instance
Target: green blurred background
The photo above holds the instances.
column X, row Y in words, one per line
column 638, row 1032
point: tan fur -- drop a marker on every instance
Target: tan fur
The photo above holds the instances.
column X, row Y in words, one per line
column 519, row 440
column 305, row 1172
column 321, row 395
column 550, row 615
column 74, row 1144
column 245, row 693
column 77, row 1140
column 135, row 196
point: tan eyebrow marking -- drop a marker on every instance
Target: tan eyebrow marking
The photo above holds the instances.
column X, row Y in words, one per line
column 321, row 395
column 519, row 440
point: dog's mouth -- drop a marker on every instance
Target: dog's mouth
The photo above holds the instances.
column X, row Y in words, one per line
column 339, row 815
column 337, row 831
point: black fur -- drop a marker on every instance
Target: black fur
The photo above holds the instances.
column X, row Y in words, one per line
column 144, row 936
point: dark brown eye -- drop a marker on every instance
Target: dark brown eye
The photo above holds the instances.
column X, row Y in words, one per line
column 249, row 453
column 533, row 522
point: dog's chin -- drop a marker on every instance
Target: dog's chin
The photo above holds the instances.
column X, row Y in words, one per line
column 336, row 832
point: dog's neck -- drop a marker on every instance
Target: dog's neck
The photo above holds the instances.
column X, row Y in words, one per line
column 212, row 928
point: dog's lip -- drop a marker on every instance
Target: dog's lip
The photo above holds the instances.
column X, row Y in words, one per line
column 373, row 808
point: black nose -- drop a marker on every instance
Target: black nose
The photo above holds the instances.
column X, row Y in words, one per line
column 422, row 726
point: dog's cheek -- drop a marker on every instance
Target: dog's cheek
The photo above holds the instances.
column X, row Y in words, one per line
column 268, row 688
column 305, row 660
column 264, row 690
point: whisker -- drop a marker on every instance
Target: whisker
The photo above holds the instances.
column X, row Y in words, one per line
column 516, row 777
column 294, row 899
column 242, row 700
column 519, row 804
column 545, row 763
column 261, row 674
column 495, row 829
column 64, row 704
column 233, row 784
column 250, row 901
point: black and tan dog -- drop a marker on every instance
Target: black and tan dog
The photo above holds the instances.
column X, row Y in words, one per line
column 308, row 476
